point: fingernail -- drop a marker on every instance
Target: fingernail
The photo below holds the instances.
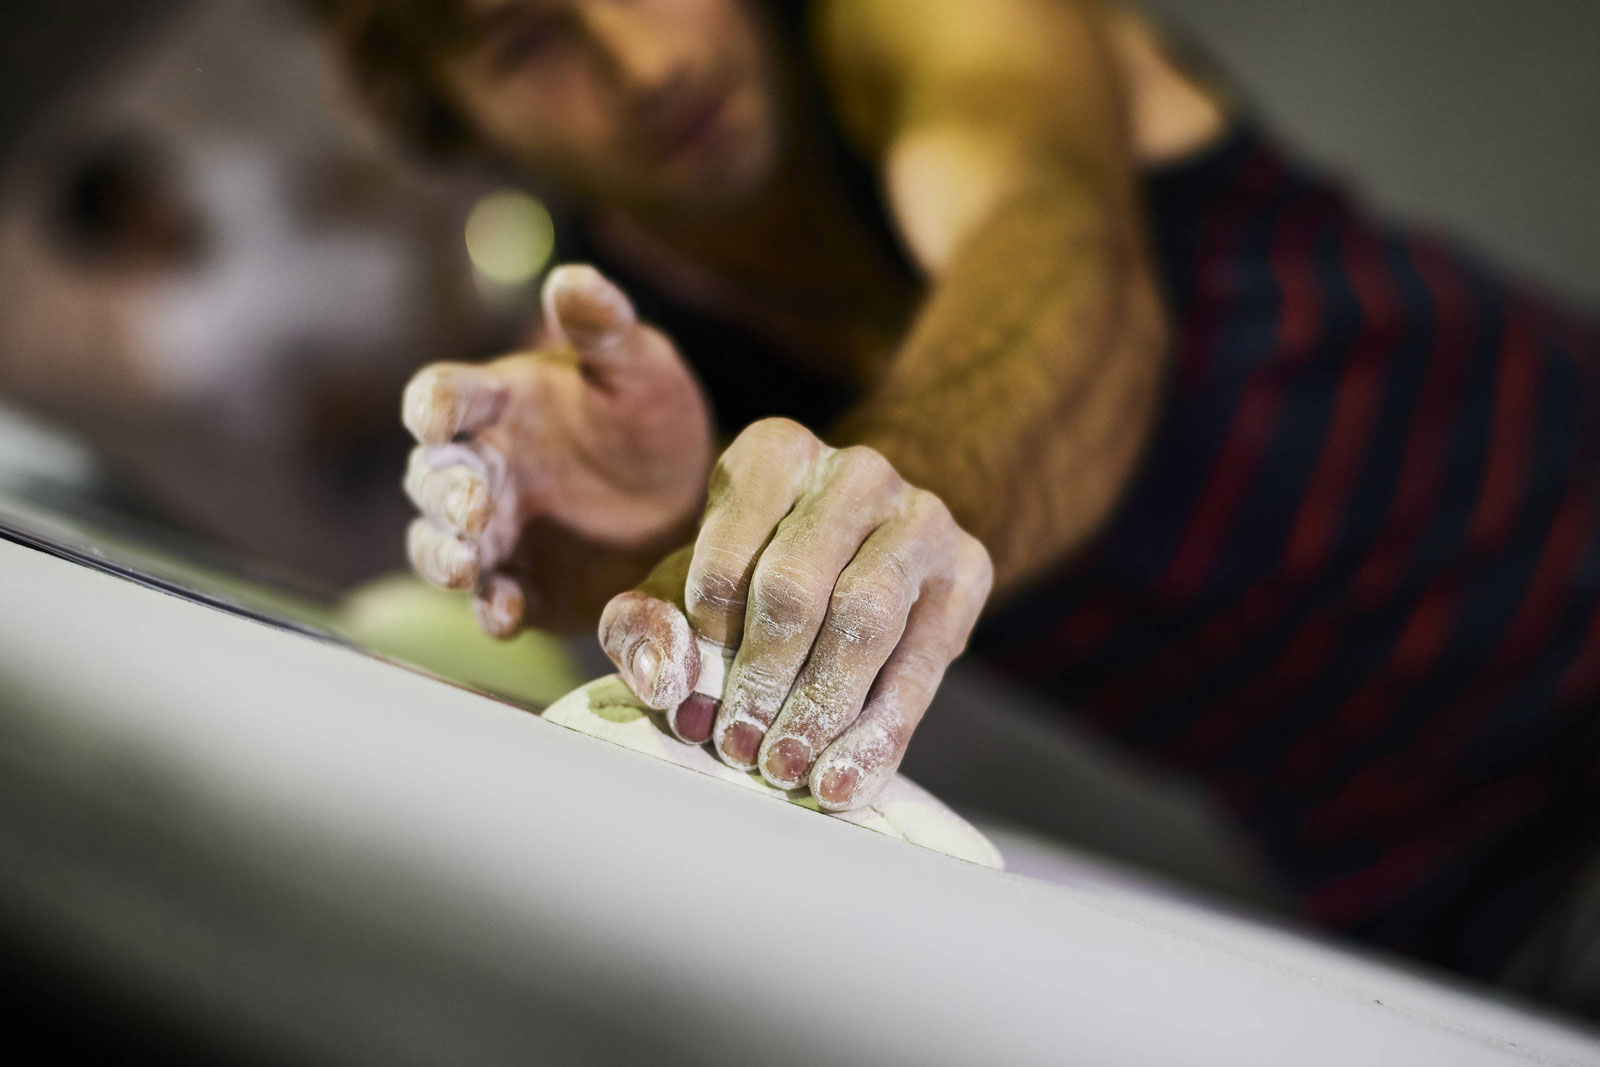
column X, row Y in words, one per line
column 646, row 661
column 838, row 784
column 788, row 760
column 695, row 718
column 741, row 742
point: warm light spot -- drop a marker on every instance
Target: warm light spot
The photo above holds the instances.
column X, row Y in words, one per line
column 509, row 237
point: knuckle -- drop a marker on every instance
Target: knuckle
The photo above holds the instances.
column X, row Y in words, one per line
column 975, row 565
column 902, row 565
column 713, row 588
column 723, row 472
column 867, row 610
column 785, row 594
column 929, row 506
column 766, row 440
column 864, row 469
column 928, row 515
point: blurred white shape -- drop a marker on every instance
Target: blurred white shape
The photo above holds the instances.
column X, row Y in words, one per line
column 232, row 332
column 510, row 237
column 30, row 451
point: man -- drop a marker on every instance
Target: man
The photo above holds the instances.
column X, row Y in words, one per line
column 1298, row 505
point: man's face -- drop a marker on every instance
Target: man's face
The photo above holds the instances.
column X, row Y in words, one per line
column 654, row 105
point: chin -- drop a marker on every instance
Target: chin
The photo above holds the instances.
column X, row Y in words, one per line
column 731, row 187
column 723, row 184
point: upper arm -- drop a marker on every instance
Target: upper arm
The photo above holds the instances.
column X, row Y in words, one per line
column 967, row 103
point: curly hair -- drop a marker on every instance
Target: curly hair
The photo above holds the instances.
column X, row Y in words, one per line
column 386, row 47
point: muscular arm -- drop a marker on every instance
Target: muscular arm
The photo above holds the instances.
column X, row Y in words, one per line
column 1021, row 398
column 1026, row 390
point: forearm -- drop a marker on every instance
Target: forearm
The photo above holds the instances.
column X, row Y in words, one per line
column 1027, row 389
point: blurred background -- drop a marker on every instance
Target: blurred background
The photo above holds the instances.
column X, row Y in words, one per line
column 214, row 279
column 217, row 281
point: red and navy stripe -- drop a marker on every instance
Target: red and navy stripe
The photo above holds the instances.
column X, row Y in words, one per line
column 1356, row 584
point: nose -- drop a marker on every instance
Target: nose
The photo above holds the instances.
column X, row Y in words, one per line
column 638, row 54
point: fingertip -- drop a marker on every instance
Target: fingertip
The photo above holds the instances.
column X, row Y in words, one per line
column 652, row 646
column 449, row 399
column 692, row 720
column 853, row 770
column 500, row 607
column 441, row 559
column 427, row 408
column 836, row 785
column 586, row 308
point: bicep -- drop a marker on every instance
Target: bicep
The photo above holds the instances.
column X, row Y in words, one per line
column 966, row 104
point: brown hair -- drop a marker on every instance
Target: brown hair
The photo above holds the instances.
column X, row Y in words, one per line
column 386, row 47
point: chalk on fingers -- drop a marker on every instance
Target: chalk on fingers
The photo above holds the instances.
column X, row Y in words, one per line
column 448, row 399
column 441, row 558
column 456, row 497
column 500, row 606
column 594, row 316
column 694, row 719
column 650, row 641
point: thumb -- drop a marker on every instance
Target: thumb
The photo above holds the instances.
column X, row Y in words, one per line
column 647, row 635
column 593, row 316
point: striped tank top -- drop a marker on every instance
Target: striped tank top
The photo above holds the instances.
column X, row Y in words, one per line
column 1354, row 589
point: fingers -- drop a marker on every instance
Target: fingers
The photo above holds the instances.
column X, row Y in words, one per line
column 441, row 557
column 594, row 317
column 500, row 606
column 694, row 719
column 753, row 487
column 854, row 769
column 447, row 399
column 464, row 530
column 450, row 485
column 789, row 601
column 866, row 617
column 845, row 594
column 647, row 635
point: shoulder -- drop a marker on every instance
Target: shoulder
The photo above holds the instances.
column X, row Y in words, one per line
column 1045, row 66
column 883, row 57
column 953, row 35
